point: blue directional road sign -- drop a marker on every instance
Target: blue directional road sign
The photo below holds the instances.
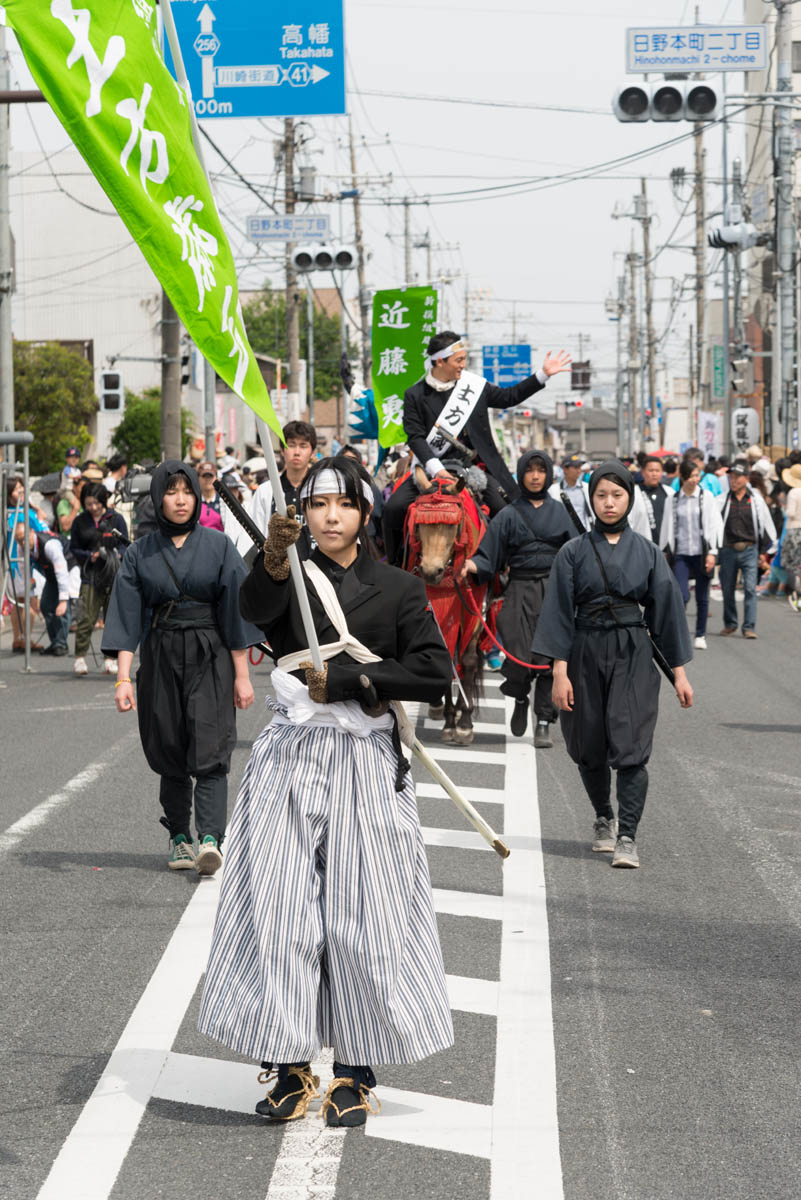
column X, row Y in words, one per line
column 248, row 58
column 505, row 365
column 706, row 48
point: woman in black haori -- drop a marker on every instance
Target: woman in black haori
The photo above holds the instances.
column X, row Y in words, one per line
column 177, row 595
column 609, row 589
column 325, row 932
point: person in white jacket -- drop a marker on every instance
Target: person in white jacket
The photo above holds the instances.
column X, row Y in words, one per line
column 694, row 532
column 748, row 535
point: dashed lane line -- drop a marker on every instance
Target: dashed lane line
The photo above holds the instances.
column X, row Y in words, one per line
column 38, row 815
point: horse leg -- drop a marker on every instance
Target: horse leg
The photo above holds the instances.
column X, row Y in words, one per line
column 471, row 668
column 436, row 712
column 449, row 731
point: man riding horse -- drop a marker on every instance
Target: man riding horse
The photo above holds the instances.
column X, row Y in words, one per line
column 452, row 399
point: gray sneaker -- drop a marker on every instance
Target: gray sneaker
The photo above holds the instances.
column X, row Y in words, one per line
column 625, row 854
column 604, row 832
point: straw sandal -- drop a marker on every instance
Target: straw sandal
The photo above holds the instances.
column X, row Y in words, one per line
column 290, row 1098
column 347, row 1105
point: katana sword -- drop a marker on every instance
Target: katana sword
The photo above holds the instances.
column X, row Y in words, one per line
column 371, row 703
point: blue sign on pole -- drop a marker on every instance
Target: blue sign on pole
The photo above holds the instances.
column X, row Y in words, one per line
column 246, row 58
column 506, row 365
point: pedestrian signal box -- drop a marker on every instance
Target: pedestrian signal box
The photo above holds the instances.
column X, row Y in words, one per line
column 580, row 375
column 112, row 394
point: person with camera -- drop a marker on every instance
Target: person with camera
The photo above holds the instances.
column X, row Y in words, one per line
column 97, row 540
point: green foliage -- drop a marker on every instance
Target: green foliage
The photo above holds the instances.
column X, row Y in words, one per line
column 54, row 397
column 138, row 435
column 265, row 321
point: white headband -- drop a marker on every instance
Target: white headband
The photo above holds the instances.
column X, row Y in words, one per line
column 454, row 348
column 330, row 483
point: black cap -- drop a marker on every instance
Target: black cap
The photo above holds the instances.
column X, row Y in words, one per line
column 739, row 468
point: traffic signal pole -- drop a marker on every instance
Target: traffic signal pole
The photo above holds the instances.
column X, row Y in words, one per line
column 631, row 259
column 170, row 380
column 649, row 319
column 700, row 281
column 726, row 439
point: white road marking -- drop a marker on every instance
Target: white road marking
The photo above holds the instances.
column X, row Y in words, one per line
column 525, row 1129
column 106, row 706
column 469, row 754
column 473, row 995
column 468, row 904
column 478, row 727
column 476, row 795
column 412, row 1117
column 38, row 815
column 91, row 1157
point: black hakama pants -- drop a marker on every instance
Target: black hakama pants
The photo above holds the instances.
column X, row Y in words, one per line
column 517, row 622
column 187, row 722
column 615, row 708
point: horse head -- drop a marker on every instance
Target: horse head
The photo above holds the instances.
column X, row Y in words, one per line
column 435, row 521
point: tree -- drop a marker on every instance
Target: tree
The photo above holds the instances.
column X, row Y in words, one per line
column 54, row 398
column 138, row 435
column 265, row 322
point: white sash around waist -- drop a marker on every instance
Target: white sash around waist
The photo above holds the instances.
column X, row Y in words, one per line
column 348, row 714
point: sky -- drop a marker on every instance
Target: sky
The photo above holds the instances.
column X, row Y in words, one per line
column 554, row 248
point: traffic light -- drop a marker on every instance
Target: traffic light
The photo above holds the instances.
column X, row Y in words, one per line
column 364, row 418
column 112, row 393
column 574, row 403
column 741, row 236
column 323, row 258
column 668, row 100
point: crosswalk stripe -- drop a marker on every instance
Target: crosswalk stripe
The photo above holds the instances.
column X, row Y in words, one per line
column 416, row 1118
column 456, row 839
column 469, row 754
column 468, row 904
column 473, row 995
column 476, row 795
column 478, row 727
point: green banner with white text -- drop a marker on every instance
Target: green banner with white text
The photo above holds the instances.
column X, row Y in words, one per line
column 404, row 320
column 100, row 66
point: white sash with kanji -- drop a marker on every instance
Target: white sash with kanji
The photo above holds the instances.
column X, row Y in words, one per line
column 457, row 411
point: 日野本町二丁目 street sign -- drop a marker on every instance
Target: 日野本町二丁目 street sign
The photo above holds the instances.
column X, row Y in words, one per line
column 697, row 48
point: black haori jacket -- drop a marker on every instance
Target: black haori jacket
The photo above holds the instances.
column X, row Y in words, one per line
column 422, row 405
column 386, row 609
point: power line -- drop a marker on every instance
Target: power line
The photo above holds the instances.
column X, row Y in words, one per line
column 427, row 99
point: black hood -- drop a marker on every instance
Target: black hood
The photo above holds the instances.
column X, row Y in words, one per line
column 524, row 463
column 158, row 486
column 614, row 468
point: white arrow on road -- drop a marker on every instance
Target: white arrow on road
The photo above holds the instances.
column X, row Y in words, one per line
column 206, row 18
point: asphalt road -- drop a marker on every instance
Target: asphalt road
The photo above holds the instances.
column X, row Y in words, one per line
column 669, row 1021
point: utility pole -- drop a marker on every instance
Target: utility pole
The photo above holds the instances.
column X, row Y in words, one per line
column 6, row 280
column 785, row 233
column 292, row 314
column 310, row 348
column 738, row 340
column 407, row 242
column 649, row 320
column 170, row 380
column 364, row 306
column 691, row 385
column 209, row 415
column 467, row 308
column 726, row 439
column 631, row 260
column 700, row 279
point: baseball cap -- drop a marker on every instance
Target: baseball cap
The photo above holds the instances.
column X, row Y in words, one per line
column 739, row 468
column 574, row 460
column 73, row 451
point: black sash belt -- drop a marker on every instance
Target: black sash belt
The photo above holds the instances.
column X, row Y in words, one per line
column 608, row 615
column 174, row 615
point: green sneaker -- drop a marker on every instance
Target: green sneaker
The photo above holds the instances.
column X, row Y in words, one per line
column 182, row 853
column 209, row 857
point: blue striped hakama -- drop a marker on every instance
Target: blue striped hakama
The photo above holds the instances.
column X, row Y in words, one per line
column 325, row 933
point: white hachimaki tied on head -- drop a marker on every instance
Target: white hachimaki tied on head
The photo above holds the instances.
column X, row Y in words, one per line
column 339, row 476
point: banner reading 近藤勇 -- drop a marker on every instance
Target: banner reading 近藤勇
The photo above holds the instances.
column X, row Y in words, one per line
column 100, row 66
column 404, row 320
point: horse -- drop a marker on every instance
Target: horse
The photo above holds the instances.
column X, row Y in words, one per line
column 443, row 528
